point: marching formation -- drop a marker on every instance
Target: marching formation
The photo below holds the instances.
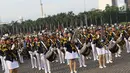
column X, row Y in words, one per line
column 64, row 46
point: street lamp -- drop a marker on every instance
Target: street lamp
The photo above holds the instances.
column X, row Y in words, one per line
column 85, row 16
column 41, row 8
column 84, row 5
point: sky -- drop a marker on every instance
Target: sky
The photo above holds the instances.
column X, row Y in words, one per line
column 30, row 9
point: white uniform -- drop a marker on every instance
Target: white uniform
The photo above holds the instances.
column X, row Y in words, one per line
column 5, row 66
column 2, row 62
column 81, row 60
column 61, row 55
column 20, row 56
column 129, row 42
column 46, row 64
column 108, row 56
column 127, row 45
column 101, row 51
column 33, row 59
column 12, row 65
column 94, row 51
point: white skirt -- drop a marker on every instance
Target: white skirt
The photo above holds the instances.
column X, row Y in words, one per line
column 72, row 55
column 100, row 51
column 12, row 65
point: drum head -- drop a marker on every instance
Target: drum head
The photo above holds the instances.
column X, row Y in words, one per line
column 87, row 51
column 50, row 55
column 63, row 51
column 114, row 49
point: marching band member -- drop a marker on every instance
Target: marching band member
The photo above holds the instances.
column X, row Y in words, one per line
column 108, row 53
column 46, row 44
column 20, row 49
column 79, row 43
column 129, row 42
column 33, row 58
column 71, row 53
column 126, row 37
column 38, row 52
column 59, row 43
column 6, row 70
column 2, row 54
column 94, row 51
column 114, row 38
column 129, row 37
column 99, row 41
column 11, row 56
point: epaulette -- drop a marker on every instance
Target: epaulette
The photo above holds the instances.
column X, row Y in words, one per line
column 0, row 47
column 4, row 47
column 38, row 44
column 32, row 43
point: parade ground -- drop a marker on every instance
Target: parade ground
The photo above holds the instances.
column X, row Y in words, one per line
column 120, row 65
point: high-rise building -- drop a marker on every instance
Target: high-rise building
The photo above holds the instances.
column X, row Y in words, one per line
column 127, row 3
column 114, row 3
column 103, row 3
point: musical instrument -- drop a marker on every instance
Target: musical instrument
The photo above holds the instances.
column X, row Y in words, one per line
column 112, row 46
column 50, row 55
column 120, row 40
column 86, row 49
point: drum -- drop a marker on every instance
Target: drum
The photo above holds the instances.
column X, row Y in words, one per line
column 113, row 47
column 86, row 49
column 55, row 50
column 50, row 55
column 63, row 50
column 120, row 41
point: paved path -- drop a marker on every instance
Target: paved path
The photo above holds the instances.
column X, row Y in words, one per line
column 120, row 65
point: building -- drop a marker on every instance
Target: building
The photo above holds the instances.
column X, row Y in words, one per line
column 1, row 23
column 103, row 3
column 119, row 3
column 127, row 3
column 114, row 3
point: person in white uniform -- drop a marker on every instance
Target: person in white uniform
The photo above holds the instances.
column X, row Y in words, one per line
column 11, row 56
column 71, row 53
column 99, row 41
column 1, row 55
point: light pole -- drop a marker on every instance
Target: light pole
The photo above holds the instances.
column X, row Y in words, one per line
column 84, row 5
column 41, row 8
column 85, row 16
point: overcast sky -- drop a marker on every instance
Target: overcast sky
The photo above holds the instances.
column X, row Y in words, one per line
column 30, row 9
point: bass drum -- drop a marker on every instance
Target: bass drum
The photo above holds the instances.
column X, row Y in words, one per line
column 50, row 55
column 86, row 49
column 113, row 47
column 55, row 50
column 63, row 50
column 120, row 41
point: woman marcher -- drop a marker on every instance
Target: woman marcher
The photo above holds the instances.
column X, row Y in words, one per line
column 1, row 55
column 71, row 53
column 100, row 49
column 11, row 55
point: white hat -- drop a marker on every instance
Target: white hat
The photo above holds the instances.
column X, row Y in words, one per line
column 115, row 24
column 65, row 29
column 43, row 31
column 39, row 33
column 2, row 38
column 84, row 26
column 84, row 30
column 91, row 25
column 112, row 25
column 78, row 27
column 6, row 35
